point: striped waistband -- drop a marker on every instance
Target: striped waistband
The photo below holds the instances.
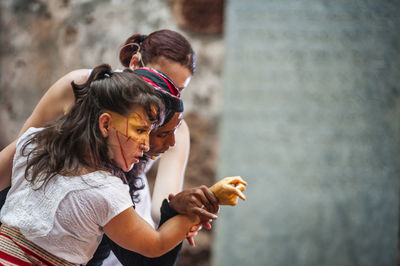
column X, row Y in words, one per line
column 15, row 249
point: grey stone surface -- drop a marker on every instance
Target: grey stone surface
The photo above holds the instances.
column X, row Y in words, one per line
column 311, row 121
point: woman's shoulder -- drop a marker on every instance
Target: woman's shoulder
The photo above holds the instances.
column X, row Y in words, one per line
column 79, row 75
column 62, row 87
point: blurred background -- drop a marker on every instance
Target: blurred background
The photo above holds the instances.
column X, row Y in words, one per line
column 301, row 98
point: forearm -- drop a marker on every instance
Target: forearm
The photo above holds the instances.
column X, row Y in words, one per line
column 127, row 257
column 6, row 162
column 173, row 232
column 130, row 231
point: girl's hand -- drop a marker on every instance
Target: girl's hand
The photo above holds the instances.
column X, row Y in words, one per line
column 229, row 189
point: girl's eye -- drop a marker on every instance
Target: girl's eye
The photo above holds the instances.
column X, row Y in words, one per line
column 140, row 131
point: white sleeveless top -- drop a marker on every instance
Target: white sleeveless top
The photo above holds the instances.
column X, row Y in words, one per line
column 65, row 218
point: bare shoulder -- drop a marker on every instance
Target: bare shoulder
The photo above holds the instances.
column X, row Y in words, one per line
column 61, row 91
column 79, row 76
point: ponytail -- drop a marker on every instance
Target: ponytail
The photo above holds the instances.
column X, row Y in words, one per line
column 98, row 73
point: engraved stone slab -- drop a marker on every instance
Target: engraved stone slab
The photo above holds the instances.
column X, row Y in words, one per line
column 311, row 119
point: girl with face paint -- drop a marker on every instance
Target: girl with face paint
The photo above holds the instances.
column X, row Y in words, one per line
column 66, row 189
column 165, row 50
column 68, row 184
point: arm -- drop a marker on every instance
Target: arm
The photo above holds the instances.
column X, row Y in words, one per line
column 54, row 103
column 171, row 170
column 127, row 257
column 131, row 232
column 186, row 202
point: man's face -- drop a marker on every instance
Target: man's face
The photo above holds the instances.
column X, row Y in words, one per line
column 129, row 137
column 164, row 137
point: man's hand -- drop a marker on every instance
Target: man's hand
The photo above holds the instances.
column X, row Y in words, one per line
column 229, row 189
column 196, row 201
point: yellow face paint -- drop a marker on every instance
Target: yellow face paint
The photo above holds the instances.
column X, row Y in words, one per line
column 131, row 137
column 134, row 126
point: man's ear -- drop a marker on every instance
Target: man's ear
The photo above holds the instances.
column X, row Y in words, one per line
column 135, row 62
column 105, row 124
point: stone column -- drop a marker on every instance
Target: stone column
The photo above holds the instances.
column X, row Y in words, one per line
column 311, row 121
